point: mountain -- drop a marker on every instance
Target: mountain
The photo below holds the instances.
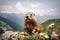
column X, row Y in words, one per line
column 18, row 19
column 4, row 26
column 14, row 25
column 44, row 18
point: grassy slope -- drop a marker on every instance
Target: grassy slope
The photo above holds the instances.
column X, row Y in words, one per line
column 48, row 22
column 5, row 26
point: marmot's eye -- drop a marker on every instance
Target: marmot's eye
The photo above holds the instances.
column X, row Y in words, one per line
column 31, row 14
column 34, row 14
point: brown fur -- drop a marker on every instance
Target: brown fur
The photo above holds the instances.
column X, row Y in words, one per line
column 31, row 23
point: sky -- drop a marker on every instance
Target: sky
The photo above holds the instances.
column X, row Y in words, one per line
column 39, row 7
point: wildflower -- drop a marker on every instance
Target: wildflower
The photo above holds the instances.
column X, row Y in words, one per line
column 46, row 36
column 33, row 31
column 21, row 33
column 41, row 34
column 51, row 25
column 54, row 35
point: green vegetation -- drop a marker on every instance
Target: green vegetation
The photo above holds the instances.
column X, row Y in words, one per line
column 21, row 30
column 5, row 26
column 51, row 27
column 48, row 22
column 55, row 27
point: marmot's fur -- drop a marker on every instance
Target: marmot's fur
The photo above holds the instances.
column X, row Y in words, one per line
column 31, row 23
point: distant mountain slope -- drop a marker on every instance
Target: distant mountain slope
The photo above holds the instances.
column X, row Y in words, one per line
column 50, row 21
column 12, row 24
column 5, row 26
column 16, row 18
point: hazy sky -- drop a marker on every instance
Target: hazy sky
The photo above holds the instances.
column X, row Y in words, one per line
column 39, row 7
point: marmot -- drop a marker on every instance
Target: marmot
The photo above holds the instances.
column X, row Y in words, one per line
column 31, row 23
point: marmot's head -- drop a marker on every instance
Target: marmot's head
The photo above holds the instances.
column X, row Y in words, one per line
column 30, row 16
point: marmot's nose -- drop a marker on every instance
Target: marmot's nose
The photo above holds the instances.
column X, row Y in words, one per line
column 26, row 16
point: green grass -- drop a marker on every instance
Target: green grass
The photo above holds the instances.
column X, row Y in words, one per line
column 48, row 22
